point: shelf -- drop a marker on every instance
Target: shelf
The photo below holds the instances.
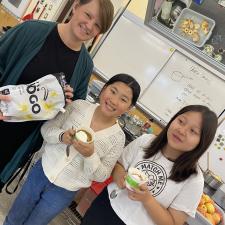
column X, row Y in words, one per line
column 208, row 8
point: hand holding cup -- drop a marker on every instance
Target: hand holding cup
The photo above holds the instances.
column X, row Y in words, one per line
column 135, row 178
column 83, row 141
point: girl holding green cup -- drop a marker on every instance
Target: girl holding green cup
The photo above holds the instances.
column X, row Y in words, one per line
column 170, row 162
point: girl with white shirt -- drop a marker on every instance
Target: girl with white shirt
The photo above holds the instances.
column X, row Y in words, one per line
column 170, row 161
column 54, row 180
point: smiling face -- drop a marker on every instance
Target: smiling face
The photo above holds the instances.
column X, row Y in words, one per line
column 85, row 22
column 115, row 99
column 184, row 132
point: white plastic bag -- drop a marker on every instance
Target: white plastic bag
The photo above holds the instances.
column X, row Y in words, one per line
column 40, row 100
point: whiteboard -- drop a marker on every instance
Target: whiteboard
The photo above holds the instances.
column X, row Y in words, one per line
column 183, row 82
column 130, row 48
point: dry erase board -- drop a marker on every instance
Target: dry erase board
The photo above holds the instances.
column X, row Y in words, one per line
column 131, row 48
column 183, row 82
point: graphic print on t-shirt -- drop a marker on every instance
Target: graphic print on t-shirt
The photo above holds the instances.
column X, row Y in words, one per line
column 157, row 177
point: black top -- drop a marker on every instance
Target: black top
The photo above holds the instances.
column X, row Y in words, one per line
column 53, row 57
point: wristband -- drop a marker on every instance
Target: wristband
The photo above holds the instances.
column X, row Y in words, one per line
column 60, row 137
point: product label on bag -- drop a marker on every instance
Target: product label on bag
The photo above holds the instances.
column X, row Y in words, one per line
column 40, row 100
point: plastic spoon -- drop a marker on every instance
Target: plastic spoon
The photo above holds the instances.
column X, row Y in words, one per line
column 68, row 147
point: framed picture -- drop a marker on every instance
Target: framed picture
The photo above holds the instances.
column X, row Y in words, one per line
column 16, row 7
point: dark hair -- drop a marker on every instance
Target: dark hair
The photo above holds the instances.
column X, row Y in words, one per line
column 106, row 13
column 186, row 164
column 129, row 81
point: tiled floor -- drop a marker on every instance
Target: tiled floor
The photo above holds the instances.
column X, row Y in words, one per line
column 65, row 218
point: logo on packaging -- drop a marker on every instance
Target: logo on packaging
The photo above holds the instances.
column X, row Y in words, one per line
column 32, row 89
column 157, row 177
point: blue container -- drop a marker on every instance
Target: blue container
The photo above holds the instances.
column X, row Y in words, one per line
column 198, row 1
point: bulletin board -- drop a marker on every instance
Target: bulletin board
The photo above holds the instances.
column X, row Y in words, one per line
column 46, row 9
column 130, row 48
column 183, row 82
column 216, row 154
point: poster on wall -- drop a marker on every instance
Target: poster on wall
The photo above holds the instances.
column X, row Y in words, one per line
column 216, row 153
column 45, row 9
column 16, row 7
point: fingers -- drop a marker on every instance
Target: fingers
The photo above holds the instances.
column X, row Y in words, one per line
column 68, row 88
column 72, row 131
column 85, row 149
column 68, row 100
column 81, row 144
column 143, row 187
column 5, row 98
column 68, row 136
column 131, row 194
column 68, row 93
column 2, row 117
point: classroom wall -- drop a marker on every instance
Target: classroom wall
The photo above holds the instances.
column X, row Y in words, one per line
column 138, row 7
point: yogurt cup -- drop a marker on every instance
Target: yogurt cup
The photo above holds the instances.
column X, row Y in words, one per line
column 84, row 134
column 135, row 178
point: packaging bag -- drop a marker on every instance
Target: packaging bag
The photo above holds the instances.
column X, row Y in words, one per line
column 40, row 100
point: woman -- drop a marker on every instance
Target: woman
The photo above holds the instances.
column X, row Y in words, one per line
column 53, row 182
column 36, row 48
column 175, row 182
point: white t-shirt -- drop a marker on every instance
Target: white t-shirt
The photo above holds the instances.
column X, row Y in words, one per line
column 183, row 196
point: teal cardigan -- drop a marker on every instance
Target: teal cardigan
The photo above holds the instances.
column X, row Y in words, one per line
column 17, row 47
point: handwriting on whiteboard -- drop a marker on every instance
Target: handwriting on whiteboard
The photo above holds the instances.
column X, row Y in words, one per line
column 183, row 82
column 192, row 80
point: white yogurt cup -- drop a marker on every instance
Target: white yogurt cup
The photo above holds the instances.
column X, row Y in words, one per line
column 84, row 134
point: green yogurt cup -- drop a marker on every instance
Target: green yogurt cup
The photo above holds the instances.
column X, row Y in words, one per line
column 135, row 178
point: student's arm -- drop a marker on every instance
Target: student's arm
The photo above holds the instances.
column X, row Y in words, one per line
column 52, row 129
column 100, row 168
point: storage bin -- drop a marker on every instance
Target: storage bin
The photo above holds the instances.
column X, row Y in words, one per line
column 191, row 33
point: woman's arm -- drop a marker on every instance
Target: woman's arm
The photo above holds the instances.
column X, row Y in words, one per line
column 156, row 211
